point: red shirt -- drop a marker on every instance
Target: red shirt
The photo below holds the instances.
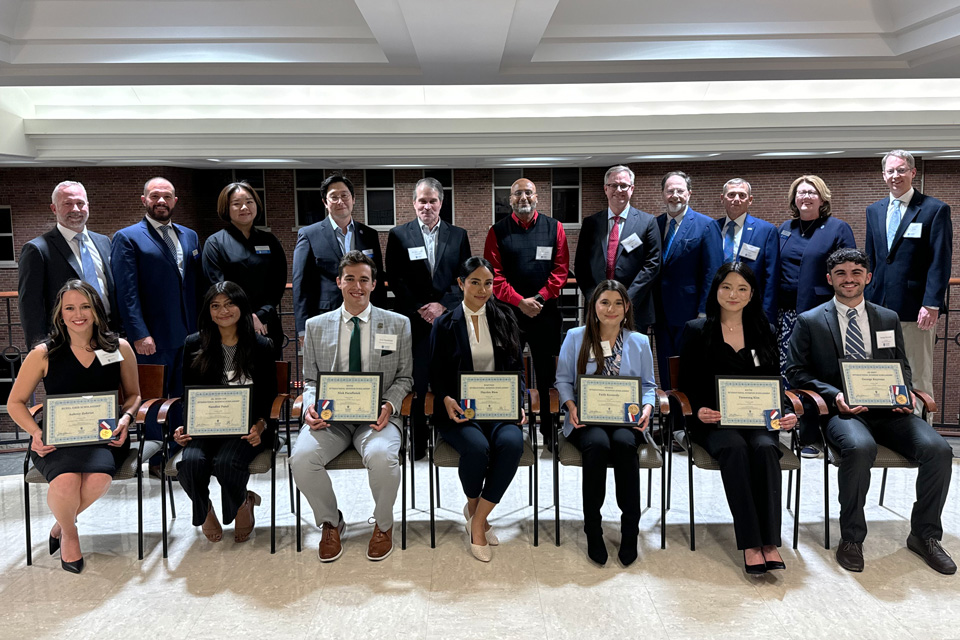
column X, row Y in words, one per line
column 558, row 275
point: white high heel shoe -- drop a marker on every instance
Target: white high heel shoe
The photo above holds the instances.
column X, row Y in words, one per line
column 481, row 552
column 492, row 538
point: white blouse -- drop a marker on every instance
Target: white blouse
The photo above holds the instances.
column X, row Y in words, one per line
column 481, row 345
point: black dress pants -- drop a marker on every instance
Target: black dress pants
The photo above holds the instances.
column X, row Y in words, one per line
column 542, row 333
column 599, row 447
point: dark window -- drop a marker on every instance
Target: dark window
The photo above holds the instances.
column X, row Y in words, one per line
column 503, row 179
column 378, row 184
column 309, row 205
column 445, row 176
column 565, row 183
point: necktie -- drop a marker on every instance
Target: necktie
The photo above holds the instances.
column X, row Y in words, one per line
column 893, row 218
column 729, row 241
column 854, row 340
column 612, row 245
column 355, row 363
column 671, row 231
column 168, row 240
column 87, row 267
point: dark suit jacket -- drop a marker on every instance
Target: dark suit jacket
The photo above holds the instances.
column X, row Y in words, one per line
column 636, row 270
column 816, row 347
column 812, row 287
column 766, row 266
column 152, row 299
column 450, row 354
column 316, row 262
column 916, row 271
column 687, row 271
column 46, row 263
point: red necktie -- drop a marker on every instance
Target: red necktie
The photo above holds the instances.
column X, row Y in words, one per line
column 612, row 245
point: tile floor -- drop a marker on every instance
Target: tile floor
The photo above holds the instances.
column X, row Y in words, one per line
column 227, row 590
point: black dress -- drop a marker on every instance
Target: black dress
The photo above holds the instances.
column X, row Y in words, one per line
column 65, row 374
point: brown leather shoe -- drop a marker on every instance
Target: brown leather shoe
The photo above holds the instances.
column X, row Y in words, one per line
column 381, row 544
column 933, row 554
column 330, row 546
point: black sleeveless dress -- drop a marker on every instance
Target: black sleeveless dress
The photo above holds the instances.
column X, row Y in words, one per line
column 65, row 374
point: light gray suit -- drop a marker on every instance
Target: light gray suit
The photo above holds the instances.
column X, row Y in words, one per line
column 380, row 450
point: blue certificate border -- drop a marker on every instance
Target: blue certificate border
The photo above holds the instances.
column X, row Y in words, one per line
column 191, row 397
column 633, row 384
column 325, row 379
column 67, row 399
column 512, row 414
column 744, row 382
column 849, row 366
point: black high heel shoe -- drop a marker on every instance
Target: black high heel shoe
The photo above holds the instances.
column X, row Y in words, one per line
column 54, row 544
column 73, row 567
column 753, row 569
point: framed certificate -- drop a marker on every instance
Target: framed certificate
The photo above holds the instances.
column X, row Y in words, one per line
column 71, row 420
column 217, row 410
column 355, row 396
column 867, row 383
column 491, row 395
column 744, row 400
column 609, row 399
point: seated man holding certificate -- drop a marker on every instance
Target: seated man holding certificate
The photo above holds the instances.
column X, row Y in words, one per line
column 609, row 334
column 852, row 329
column 735, row 339
column 227, row 351
column 81, row 356
column 478, row 335
column 355, row 338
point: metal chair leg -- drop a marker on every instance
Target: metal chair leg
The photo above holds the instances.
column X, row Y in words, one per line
column 556, row 483
column 796, row 510
column 693, row 531
column 299, row 532
column 789, row 487
column 826, row 498
column 883, row 486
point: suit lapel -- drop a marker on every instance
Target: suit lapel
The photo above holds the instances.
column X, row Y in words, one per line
column 330, row 236
column 55, row 238
column 830, row 315
column 460, row 321
column 682, row 232
column 747, row 234
column 154, row 235
column 443, row 239
column 415, row 239
column 909, row 216
column 331, row 338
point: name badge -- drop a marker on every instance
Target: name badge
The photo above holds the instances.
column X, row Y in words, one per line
column 914, row 230
column 262, row 248
column 631, row 243
column 607, row 351
column 544, row 253
column 368, row 253
column 886, row 339
column 785, row 233
column 417, row 253
column 195, row 252
column 385, row 341
column 109, row 358
column 749, row 251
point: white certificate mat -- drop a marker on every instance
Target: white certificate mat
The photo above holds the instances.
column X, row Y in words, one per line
column 356, row 396
column 217, row 410
column 74, row 419
column 866, row 383
column 743, row 400
column 497, row 394
column 602, row 398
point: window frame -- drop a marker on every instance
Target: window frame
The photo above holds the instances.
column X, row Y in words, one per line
column 579, row 186
column 296, row 201
column 366, row 199
column 13, row 261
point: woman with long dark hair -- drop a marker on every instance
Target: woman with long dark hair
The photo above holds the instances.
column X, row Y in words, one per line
column 227, row 351
column 607, row 345
column 80, row 356
column 735, row 339
column 479, row 335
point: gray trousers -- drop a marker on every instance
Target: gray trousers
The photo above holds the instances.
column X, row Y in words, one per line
column 380, row 450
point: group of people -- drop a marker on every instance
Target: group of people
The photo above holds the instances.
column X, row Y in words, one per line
column 734, row 296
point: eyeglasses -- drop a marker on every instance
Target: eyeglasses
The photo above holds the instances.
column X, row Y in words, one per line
column 519, row 194
column 807, row 194
column 619, row 186
column 338, row 197
column 899, row 171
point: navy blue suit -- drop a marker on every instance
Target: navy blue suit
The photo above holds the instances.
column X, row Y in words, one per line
column 812, row 287
column 686, row 273
column 766, row 266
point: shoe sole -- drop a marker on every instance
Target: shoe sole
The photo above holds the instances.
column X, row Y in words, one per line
column 851, row 569
column 342, row 531
column 383, row 557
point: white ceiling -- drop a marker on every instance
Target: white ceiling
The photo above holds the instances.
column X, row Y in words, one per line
column 342, row 83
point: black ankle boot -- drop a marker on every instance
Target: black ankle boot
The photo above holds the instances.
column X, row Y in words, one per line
column 628, row 549
column 596, row 548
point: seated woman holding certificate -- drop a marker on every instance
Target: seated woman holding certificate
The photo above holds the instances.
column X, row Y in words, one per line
column 81, row 356
column 479, row 335
column 735, row 339
column 226, row 351
column 622, row 352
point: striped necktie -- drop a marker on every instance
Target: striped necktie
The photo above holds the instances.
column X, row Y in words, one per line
column 671, row 232
column 87, row 266
column 893, row 222
column 854, row 341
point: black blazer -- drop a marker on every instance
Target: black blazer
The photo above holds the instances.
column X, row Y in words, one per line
column 264, row 374
column 46, row 263
column 637, row 270
column 450, row 354
column 816, row 348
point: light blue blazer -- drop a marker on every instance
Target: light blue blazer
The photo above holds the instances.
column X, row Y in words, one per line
column 637, row 361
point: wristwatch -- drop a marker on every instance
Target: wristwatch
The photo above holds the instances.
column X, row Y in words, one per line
column 539, row 298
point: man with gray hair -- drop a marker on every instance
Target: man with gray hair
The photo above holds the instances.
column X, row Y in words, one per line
column 66, row 252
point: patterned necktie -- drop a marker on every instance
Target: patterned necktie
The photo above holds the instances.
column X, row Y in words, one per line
column 87, row 267
column 168, row 240
column 612, row 245
column 355, row 362
column 854, row 341
column 729, row 240
column 671, row 231
column 893, row 218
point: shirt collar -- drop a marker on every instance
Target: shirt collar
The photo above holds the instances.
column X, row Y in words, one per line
column 426, row 231
column 678, row 217
column 468, row 313
column 739, row 221
column 363, row 315
column 336, row 227
column 533, row 220
column 68, row 234
column 905, row 198
column 842, row 308
column 623, row 214
column 156, row 225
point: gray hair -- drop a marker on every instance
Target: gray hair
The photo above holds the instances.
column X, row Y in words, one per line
column 432, row 183
column 618, row 169
column 63, row 185
column 663, row 181
column 906, row 156
column 736, row 182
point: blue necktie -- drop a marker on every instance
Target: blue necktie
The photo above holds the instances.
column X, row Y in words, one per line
column 729, row 241
column 88, row 268
column 854, row 342
column 671, row 231
column 893, row 215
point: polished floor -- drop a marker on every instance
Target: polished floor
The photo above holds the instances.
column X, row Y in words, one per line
column 230, row 590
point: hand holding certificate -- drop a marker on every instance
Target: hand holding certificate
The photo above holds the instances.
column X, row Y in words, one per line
column 73, row 420
column 610, row 400
column 874, row 383
column 749, row 402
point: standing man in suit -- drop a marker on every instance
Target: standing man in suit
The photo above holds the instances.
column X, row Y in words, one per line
column 157, row 267
column 355, row 337
column 67, row 251
column 423, row 258
column 751, row 241
column 850, row 327
column 531, row 261
column 910, row 243
column 321, row 246
column 620, row 244
column 692, row 253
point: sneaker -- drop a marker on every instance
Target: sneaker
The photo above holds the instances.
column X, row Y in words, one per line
column 330, row 546
column 810, row 451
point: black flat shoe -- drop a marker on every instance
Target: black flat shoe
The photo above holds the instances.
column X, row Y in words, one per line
column 54, row 544
column 775, row 565
column 73, row 567
column 753, row 569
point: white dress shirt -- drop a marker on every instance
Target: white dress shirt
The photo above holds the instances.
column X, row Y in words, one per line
column 346, row 331
column 173, row 235
column 862, row 321
column 430, row 243
column 344, row 238
column 736, row 238
column 904, row 201
column 69, row 235
column 481, row 344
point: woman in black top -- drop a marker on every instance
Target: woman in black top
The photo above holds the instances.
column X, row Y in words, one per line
column 735, row 339
column 227, row 351
column 252, row 258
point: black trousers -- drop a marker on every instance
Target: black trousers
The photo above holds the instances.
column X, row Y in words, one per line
column 542, row 333
column 599, row 447
column 421, row 378
column 857, row 438
column 226, row 458
column 750, row 469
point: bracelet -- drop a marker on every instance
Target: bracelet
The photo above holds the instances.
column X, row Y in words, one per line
column 127, row 413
